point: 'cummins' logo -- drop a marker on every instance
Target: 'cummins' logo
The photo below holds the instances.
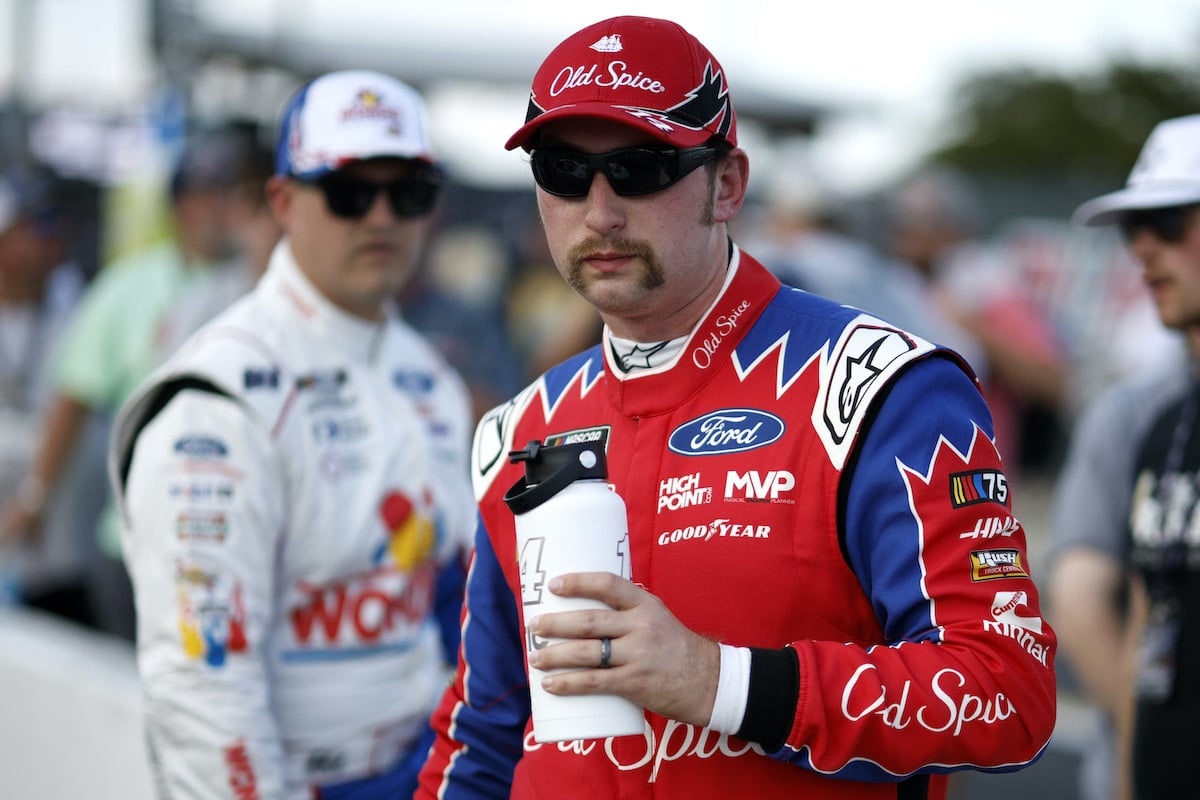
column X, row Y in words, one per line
column 1008, row 620
column 729, row 430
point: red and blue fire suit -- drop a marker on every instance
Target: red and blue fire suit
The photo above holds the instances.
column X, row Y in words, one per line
column 811, row 483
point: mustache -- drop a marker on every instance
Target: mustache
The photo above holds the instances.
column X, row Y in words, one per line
column 652, row 277
column 618, row 245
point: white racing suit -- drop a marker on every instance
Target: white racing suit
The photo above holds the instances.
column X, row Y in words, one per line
column 296, row 504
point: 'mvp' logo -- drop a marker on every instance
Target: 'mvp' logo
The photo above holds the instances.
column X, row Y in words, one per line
column 728, row 430
column 755, row 486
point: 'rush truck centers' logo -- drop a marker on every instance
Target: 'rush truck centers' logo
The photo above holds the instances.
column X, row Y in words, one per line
column 988, row 565
column 728, row 430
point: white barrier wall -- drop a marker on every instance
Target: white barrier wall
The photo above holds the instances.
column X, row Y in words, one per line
column 70, row 713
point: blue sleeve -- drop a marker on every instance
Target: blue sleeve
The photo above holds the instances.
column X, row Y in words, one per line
column 933, row 406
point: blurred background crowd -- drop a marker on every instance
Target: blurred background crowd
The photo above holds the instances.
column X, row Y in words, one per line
column 969, row 245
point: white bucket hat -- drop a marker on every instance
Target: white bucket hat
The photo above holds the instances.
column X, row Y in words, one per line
column 1167, row 173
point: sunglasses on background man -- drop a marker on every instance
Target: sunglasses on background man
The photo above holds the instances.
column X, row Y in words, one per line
column 1169, row 224
column 351, row 197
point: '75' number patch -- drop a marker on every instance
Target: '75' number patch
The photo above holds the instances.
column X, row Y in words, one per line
column 978, row 486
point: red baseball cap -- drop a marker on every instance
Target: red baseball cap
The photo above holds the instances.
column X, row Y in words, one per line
column 648, row 73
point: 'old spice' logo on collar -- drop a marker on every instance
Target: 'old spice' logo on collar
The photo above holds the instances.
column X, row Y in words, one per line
column 614, row 76
column 710, row 342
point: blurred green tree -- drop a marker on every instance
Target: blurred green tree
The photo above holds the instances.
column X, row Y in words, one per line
column 1041, row 142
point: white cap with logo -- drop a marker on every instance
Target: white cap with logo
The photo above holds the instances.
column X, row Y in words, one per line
column 350, row 116
column 1167, row 173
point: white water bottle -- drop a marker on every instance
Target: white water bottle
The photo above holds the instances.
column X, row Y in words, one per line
column 569, row 520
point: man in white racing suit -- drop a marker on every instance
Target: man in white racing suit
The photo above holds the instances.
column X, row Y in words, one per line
column 294, row 486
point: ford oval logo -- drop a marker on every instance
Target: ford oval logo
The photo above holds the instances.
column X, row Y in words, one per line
column 412, row 382
column 729, row 430
column 201, row 447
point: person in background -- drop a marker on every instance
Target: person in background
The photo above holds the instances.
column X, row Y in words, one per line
column 830, row 595
column 254, row 232
column 295, row 489
column 454, row 301
column 933, row 227
column 39, row 290
column 122, row 330
column 1125, row 582
column 549, row 320
column 804, row 240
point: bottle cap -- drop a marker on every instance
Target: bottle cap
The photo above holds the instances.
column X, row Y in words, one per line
column 549, row 470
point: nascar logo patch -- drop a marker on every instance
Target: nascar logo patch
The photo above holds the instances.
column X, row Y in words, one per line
column 978, row 486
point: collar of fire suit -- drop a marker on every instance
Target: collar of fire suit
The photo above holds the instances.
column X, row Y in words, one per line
column 659, row 387
column 628, row 355
column 284, row 281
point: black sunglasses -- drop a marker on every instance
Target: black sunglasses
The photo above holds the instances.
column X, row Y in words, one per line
column 630, row 170
column 351, row 197
column 1168, row 224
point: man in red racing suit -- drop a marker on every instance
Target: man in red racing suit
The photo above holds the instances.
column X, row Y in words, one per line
column 814, row 497
column 831, row 500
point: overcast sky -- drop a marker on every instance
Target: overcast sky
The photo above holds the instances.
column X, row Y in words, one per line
column 894, row 62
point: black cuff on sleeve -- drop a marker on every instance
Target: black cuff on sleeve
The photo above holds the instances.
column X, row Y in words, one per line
column 774, row 692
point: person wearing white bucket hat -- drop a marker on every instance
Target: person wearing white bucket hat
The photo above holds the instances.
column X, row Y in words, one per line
column 1125, row 587
column 1166, row 176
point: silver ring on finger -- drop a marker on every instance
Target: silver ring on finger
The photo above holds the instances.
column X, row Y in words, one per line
column 605, row 652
